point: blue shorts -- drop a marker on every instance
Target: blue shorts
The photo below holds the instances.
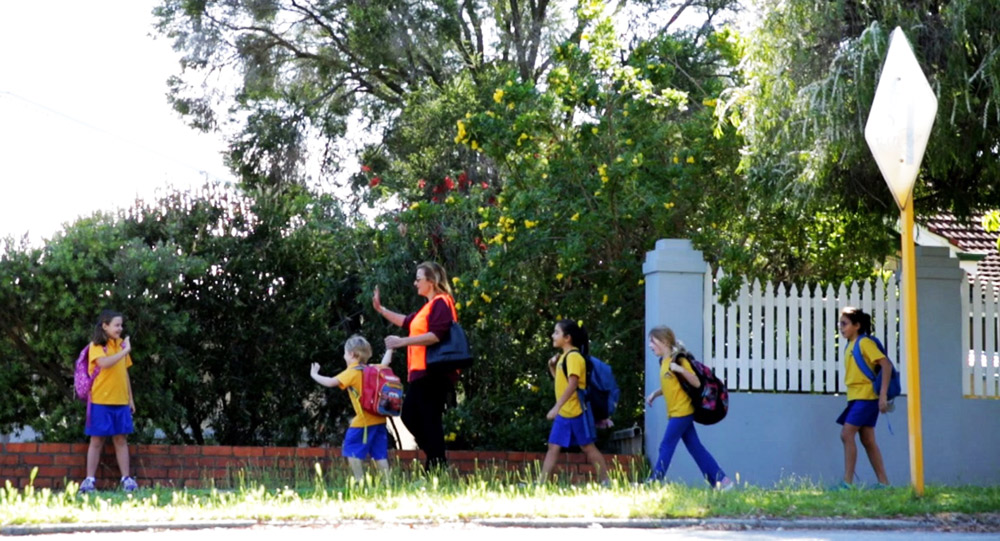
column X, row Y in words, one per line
column 377, row 446
column 109, row 420
column 570, row 431
column 859, row 413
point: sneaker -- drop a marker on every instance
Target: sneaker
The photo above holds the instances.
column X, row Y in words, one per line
column 129, row 484
column 725, row 485
column 844, row 485
column 87, row 486
column 879, row 486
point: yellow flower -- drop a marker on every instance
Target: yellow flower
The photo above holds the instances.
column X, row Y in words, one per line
column 709, row 103
column 534, row 388
column 449, row 200
column 528, row 224
column 624, row 113
column 575, row 217
column 510, row 83
column 629, row 141
column 415, row 205
column 510, row 106
column 510, row 238
column 676, row 159
column 498, row 95
column 669, row 205
column 579, row 323
column 597, row 193
column 605, row 299
column 486, row 298
column 455, row 280
column 559, row 277
column 475, row 283
column 619, row 159
column 458, row 306
column 585, row 36
column 641, row 281
column 491, row 114
column 483, row 225
column 450, row 437
column 594, row 130
column 474, row 145
column 690, row 159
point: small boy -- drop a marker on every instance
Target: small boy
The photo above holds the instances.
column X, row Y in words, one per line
column 357, row 351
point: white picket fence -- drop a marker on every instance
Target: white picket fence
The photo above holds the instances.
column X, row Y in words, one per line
column 981, row 338
column 774, row 337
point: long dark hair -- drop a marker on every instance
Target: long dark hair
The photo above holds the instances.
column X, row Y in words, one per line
column 859, row 317
column 107, row 316
column 577, row 335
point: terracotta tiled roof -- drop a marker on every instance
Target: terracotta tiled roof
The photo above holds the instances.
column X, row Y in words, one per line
column 969, row 236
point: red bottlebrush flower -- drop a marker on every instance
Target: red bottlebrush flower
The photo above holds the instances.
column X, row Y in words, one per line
column 421, row 184
column 448, row 183
column 484, row 185
column 366, row 169
column 463, row 180
column 438, row 189
column 375, row 182
column 436, row 199
column 492, row 201
column 480, row 244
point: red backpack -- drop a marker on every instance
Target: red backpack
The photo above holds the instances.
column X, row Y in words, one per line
column 381, row 391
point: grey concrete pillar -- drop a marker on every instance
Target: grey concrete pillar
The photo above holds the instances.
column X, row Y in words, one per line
column 675, row 288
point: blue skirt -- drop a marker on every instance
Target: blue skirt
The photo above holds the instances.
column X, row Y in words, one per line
column 859, row 413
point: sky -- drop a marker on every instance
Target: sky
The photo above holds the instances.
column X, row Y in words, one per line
column 84, row 120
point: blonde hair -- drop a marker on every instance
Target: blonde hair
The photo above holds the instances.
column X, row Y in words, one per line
column 666, row 335
column 436, row 275
column 359, row 347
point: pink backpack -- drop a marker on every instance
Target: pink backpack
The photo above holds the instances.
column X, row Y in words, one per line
column 82, row 379
column 381, row 391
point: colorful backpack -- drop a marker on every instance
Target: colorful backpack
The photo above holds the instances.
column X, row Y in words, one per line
column 82, row 379
column 602, row 393
column 381, row 391
column 711, row 400
column 895, row 389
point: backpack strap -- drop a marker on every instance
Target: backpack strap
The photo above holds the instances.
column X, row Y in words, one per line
column 860, row 360
column 356, row 402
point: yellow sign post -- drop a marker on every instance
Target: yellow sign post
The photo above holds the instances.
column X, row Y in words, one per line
column 897, row 131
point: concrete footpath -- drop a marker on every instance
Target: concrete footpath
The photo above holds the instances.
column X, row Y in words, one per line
column 981, row 523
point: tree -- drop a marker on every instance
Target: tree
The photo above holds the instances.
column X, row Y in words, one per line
column 810, row 76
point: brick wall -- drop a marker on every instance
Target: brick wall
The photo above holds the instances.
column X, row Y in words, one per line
column 192, row 466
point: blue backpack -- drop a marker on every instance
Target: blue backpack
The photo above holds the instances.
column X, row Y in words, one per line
column 894, row 386
column 600, row 397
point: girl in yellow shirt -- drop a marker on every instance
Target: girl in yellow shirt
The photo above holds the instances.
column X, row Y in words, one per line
column 863, row 406
column 570, row 422
column 680, row 412
column 112, row 405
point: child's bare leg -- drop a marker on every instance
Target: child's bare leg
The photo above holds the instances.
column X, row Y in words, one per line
column 121, row 453
column 357, row 468
column 549, row 463
column 850, row 451
column 874, row 453
column 94, row 454
column 597, row 459
column 383, row 468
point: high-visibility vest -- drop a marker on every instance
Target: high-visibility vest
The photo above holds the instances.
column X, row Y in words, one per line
column 416, row 356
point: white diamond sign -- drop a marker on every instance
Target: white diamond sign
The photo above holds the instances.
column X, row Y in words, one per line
column 901, row 118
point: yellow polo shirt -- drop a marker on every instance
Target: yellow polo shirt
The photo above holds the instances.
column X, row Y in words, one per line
column 575, row 364
column 678, row 401
column 111, row 386
column 352, row 378
column 859, row 387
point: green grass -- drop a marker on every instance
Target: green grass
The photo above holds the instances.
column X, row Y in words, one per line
column 487, row 494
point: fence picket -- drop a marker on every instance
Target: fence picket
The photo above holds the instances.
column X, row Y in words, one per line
column 781, row 339
column 720, row 355
column 767, row 339
column 979, row 356
column 732, row 372
column 743, row 357
column 808, row 384
column 794, row 352
column 894, row 325
column 757, row 337
column 830, row 321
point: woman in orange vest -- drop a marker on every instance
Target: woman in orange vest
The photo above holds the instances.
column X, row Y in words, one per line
column 423, row 404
